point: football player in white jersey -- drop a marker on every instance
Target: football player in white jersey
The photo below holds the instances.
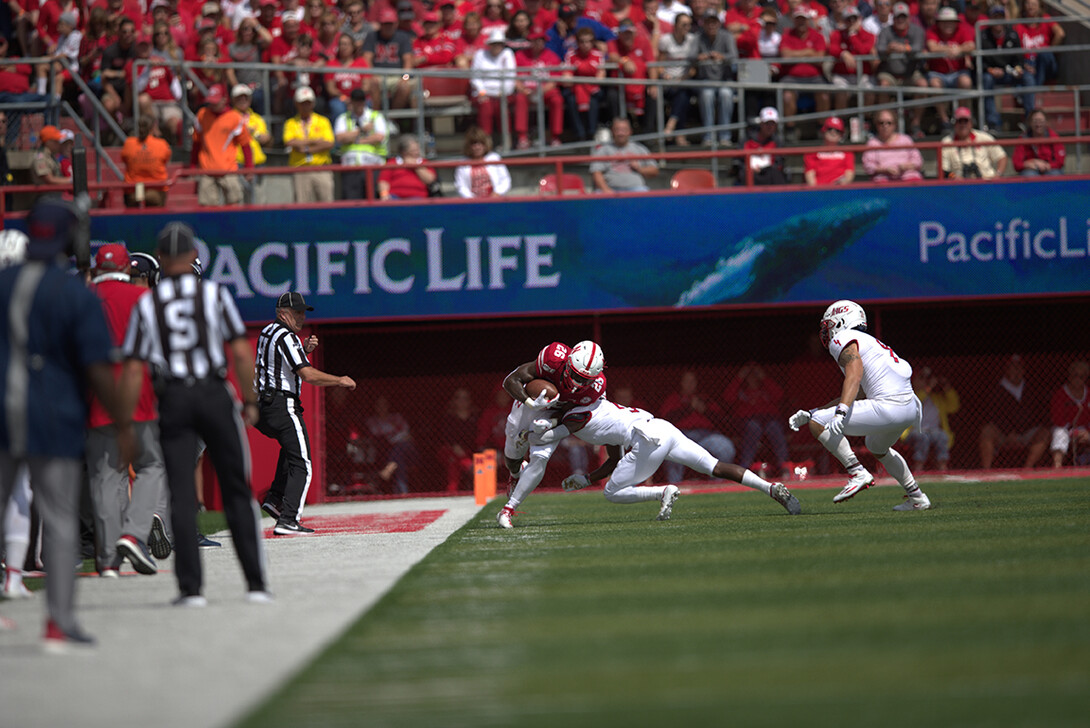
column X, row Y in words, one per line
column 637, row 443
column 576, row 372
column 885, row 379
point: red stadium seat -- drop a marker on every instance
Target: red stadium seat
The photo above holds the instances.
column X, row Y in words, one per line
column 568, row 183
column 692, row 179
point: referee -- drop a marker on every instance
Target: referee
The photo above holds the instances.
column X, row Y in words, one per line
column 281, row 364
column 179, row 328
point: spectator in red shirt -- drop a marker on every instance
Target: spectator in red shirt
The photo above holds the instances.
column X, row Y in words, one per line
column 535, row 58
column 955, row 40
column 433, row 49
column 756, row 400
column 830, row 166
column 313, row 13
column 744, row 23
column 270, row 21
column 470, row 40
column 541, row 16
column 1046, row 158
column 802, row 41
column 339, row 86
column 768, row 169
column 327, row 37
column 631, row 53
column 845, row 44
column 158, row 90
column 699, row 417
column 1042, row 65
column 396, row 182
column 580, row 98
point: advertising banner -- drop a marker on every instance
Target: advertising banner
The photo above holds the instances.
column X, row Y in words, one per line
column 623, row 253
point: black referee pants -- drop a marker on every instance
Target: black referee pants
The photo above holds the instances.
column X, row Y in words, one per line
column 206, row 409
column 282, row 420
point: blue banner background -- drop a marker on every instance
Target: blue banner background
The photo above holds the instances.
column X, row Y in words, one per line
column 615, row 253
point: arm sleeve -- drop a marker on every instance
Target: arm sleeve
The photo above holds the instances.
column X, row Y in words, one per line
column 231, row 324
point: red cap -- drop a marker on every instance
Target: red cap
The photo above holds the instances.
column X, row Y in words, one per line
column 216, row 94
column 833, row 122
column 430, row 17
column 207, row 24
column 963, row 112
column 387, row 15
column 537, row 32
column 112, row 256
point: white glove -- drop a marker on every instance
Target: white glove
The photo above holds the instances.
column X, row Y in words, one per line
column 575, row 482
column 836, row 427
column 541, row 402
column 542, row 425
column 798, row 419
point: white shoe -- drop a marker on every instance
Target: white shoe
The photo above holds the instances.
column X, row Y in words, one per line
column 782, row 495
column 259, row 597
column 918, row 502
column 669, row 496
column 504, row 517
column 191, row 601
column 17, row 591
column 860, row 481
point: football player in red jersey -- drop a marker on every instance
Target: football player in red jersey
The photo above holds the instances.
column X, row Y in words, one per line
column 576, row 372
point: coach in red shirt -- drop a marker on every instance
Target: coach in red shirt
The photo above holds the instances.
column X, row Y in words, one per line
column 123, row 524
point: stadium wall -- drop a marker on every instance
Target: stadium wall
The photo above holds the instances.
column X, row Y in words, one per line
column 415, row 302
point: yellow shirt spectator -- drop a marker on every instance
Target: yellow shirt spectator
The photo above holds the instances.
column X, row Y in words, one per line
column 315, row 127
column 257, row 127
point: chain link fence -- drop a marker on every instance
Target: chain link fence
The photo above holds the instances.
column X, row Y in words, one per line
column 430, row 393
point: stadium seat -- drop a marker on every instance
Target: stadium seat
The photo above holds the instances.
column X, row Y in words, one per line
column 569, row 183
column 439, row 88
column 692, row 179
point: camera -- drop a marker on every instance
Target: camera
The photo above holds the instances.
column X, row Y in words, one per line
column 970, row 170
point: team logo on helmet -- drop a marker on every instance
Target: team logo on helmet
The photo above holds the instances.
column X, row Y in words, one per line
column 841, row 316
column 585, row 362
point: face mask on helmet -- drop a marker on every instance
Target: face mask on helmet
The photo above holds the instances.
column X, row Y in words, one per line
column 841, row 316
column 585, row 362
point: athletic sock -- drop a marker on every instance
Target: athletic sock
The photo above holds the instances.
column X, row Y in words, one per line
column 896, row 466
column 636, row 494
column 529, row 479
column 752, row 480
column 841, row 450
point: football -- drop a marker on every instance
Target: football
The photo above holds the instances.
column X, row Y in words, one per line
column 535, row 387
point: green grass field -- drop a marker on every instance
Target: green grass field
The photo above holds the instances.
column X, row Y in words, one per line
column 976, row 613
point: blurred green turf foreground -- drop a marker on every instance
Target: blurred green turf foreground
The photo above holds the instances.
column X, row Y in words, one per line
column 976, row 613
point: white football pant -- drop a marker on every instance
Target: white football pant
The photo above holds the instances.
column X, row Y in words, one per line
column 653, row 442
column 881, row 421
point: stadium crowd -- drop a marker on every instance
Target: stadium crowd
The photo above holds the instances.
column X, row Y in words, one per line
column 544, row 42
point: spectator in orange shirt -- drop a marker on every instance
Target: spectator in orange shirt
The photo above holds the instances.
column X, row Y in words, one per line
column 220, row 134
column 145, row 157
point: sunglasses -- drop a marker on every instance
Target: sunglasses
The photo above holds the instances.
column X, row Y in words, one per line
column 961, row 121
column 885, row 123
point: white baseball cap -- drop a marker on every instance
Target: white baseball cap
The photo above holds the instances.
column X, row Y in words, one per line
column 304, row 94
column 497, row 35
column 769, row 113
column 241, row 89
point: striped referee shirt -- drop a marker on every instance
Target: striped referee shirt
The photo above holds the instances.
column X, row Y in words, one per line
column 180, row 328
column 279, row 356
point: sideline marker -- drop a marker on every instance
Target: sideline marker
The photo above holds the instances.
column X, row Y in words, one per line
column 484, row 476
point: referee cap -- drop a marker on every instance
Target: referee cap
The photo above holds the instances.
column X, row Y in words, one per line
column 176, row 239
column 294, row 301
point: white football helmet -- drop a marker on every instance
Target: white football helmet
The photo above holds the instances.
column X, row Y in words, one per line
column 841, row 316
column 585, row 362
column 12, row 247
